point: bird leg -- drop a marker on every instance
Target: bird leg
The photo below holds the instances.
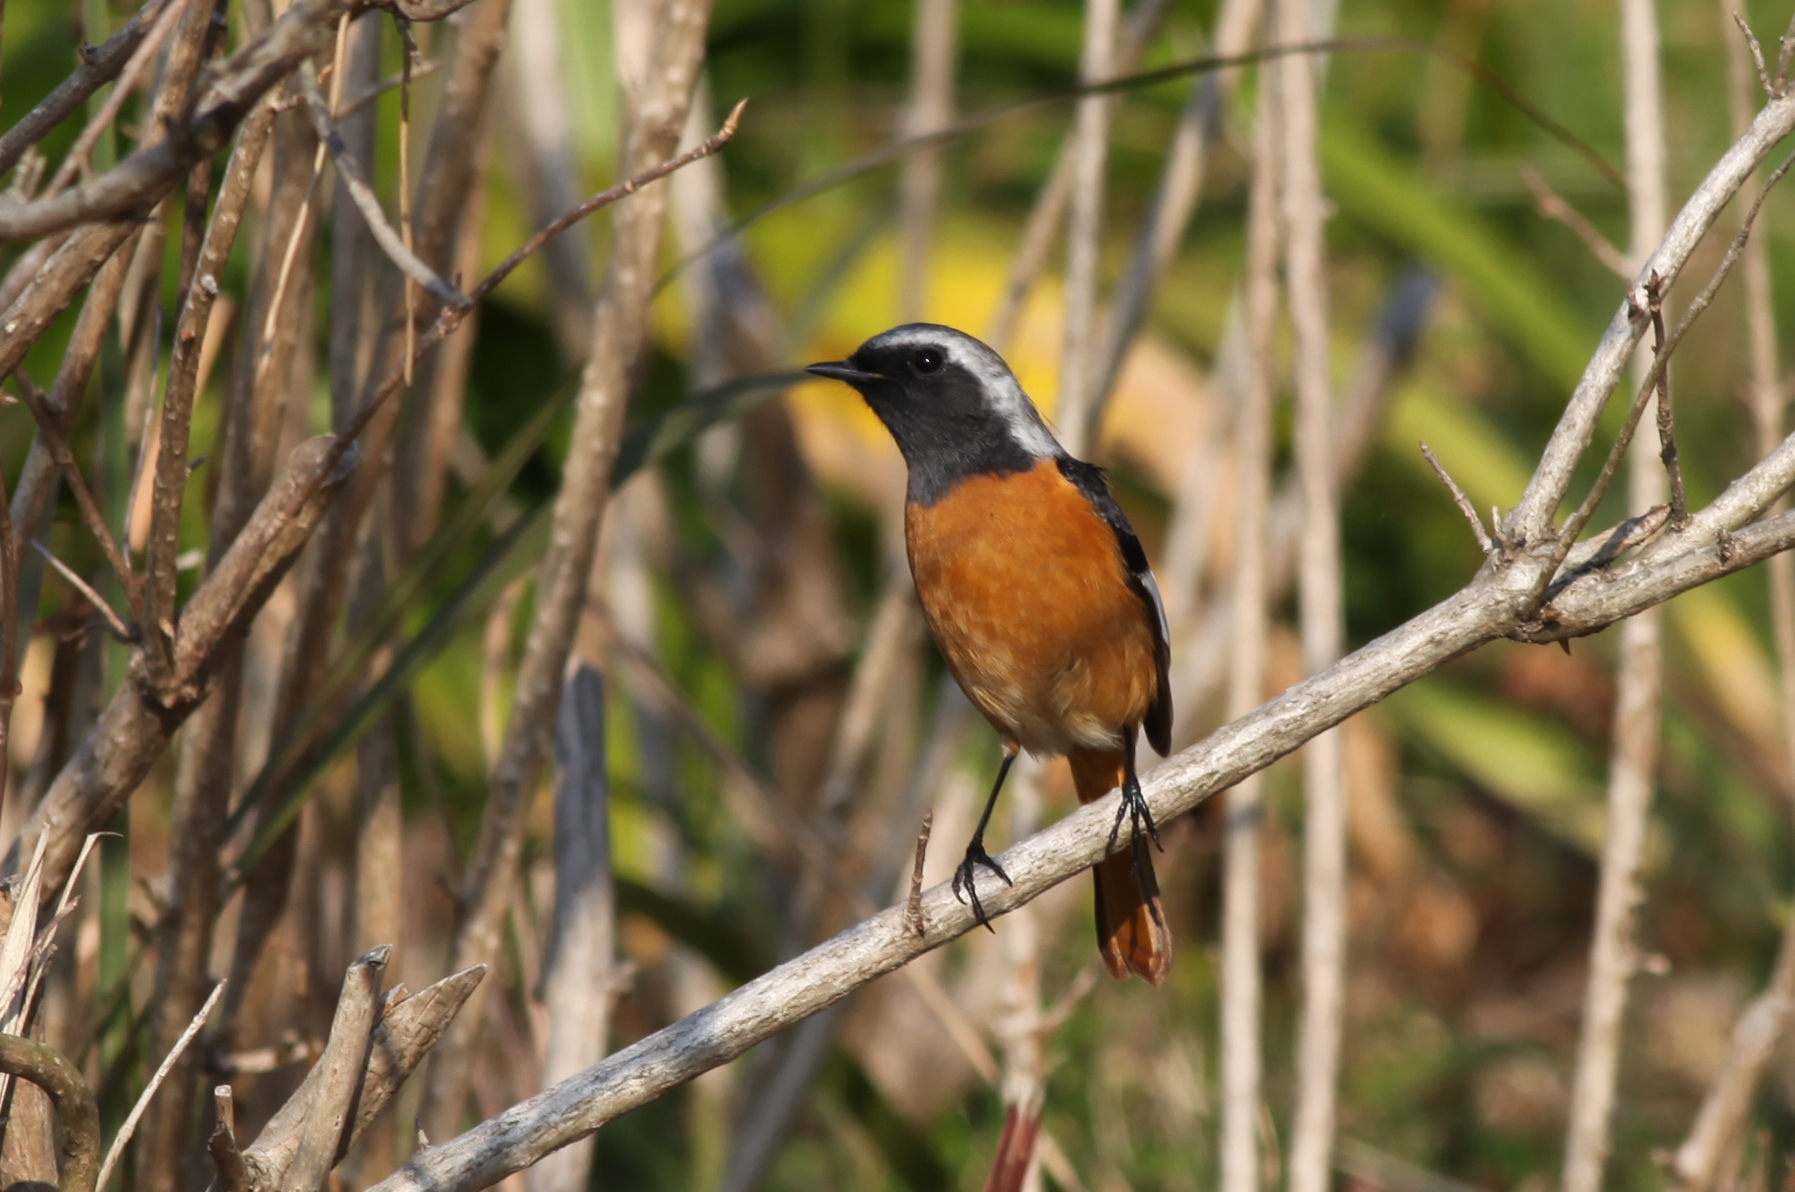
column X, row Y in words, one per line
column 975, row 850
column 1133, row 808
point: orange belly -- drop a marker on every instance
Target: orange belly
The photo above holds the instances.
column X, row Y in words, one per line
column 1025, row 590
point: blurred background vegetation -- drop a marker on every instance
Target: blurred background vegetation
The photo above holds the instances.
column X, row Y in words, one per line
column 1476, row 794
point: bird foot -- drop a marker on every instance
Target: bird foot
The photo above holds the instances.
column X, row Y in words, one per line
column 1135, row 811
column 965, row 875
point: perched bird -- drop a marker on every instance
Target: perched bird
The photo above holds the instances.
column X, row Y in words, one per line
column 1038, row 594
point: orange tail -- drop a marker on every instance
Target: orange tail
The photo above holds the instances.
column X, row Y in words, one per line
column 1131, row 927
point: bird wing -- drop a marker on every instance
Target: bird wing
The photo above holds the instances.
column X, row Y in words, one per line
column 1089, row 480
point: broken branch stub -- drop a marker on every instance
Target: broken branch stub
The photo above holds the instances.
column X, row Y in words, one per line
column 406, row 1032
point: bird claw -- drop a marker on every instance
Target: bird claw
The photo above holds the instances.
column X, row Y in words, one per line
column 1133, row 808
column 965, row 875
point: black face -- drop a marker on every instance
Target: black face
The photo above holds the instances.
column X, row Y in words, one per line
column 938, row 410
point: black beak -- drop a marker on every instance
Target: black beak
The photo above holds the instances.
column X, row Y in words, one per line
column 841, row 370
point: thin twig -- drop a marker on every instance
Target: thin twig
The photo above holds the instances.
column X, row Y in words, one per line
column 913, row 908
column 392, row 82
column 90, row 509
column 354, row 179
column 1785, row 51
column 99, row 65
column 127, row 83
column 1667, row 433
column 1460, row 499
column 451, row 318
column 1575, row 524
column 123, row 1137
column 1553, row 207
column 618, row 327
column 1757, row 54
column 120, row 630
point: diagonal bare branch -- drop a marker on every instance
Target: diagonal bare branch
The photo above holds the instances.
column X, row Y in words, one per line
column 99, row 66
column 355, row 179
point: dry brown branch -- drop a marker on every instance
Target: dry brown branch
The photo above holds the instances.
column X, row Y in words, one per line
column 226, row 96
column 227, row 1159
column 204, row 770
column 38, row 476
column 136, row 726
column 97, row 67
column 1530, row 521
column 1757, row 54
column 120, row 630
column 1241, row 977
column 447, row 322
column 183, row 375
column 428, row 10
column 363, row 413
column 127, row 83
column 1020, row 1027
column 1323, row 617
column 9, row 628
column 1652, row 283
column 329, row 1114
column 352, row 176
column 1614, row 953
column 392, row 82
column 618, row 329
column 407, row 1031
column 913, row 905
column 77, row 1117
column 51, row 434
column 1667, row 434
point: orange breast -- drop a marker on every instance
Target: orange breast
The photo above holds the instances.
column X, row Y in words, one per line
column 1026, row 592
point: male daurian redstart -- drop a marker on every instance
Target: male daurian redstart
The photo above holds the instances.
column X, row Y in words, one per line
column 1038, row 594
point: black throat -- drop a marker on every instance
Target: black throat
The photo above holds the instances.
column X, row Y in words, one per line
column 946, row 431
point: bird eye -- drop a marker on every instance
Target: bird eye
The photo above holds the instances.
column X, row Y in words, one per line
column 927, row 360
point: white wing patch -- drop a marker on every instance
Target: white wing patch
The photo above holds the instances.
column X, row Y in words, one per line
column 1159, row 608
